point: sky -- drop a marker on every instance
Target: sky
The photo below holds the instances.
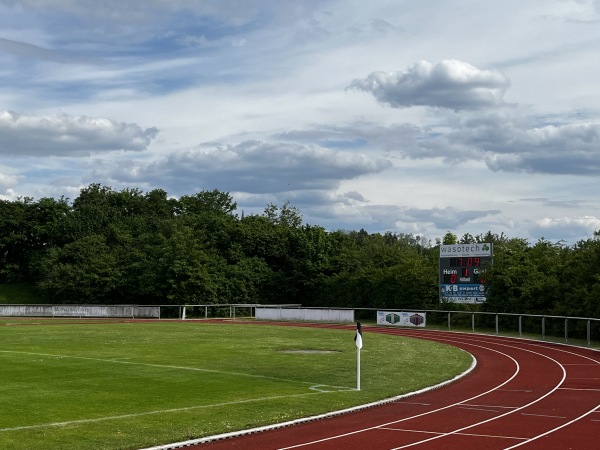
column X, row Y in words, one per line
column 400, row 116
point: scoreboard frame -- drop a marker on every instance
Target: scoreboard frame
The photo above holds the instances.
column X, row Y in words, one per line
column 462, row 270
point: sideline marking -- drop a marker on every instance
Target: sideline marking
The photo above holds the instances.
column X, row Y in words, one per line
column 166, row 366
column 271, row 427
column 328, row 388
column 404, row 333
column 150, row 413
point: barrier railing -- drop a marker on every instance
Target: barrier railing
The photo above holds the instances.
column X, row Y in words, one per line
column 567, row 328
column 571, row 329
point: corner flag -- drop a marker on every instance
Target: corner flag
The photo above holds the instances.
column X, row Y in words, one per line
column 358, row 337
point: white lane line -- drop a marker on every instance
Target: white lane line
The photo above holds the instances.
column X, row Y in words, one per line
column 593, row 363
column 504, row 414
column 579, row 389
column 543, row 415
column 280, row 425
column 472, row 408
column 459, row 403
column 577, row 364
column 553, row 429
column 594, row 410
column 517, row 368
column 411, row 403
column 420, row 334
column 459, row 434
column 493, row 406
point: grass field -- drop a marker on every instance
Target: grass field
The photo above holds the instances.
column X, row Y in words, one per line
column 67, row 384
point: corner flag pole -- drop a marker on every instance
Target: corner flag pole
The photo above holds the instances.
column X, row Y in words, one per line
column 358, row 339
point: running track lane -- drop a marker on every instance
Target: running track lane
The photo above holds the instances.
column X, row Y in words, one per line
column 522, row 394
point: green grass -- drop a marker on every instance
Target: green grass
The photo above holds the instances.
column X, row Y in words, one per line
column 133, row 385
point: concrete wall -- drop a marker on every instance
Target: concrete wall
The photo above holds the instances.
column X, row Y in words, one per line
column 307, row 314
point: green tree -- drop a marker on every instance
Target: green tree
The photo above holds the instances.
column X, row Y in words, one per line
column 450, row 238
column 192, row 271
column 85, row 271
column 579, row 280
column 27, row 229
column 286, row 216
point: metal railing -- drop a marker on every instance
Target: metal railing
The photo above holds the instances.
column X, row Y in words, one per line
column 571, row 329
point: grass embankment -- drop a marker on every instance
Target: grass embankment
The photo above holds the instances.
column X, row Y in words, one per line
column 132, row 385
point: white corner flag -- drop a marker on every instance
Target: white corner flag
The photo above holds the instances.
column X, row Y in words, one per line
column 358, row 339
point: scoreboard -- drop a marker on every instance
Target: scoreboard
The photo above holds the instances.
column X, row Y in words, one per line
column 462, row 272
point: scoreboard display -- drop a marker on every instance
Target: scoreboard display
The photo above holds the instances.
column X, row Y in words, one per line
column 462, row 272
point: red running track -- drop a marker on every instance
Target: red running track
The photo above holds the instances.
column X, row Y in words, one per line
column 522, row 394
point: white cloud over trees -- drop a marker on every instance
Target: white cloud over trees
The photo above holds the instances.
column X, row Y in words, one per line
column 63, row 134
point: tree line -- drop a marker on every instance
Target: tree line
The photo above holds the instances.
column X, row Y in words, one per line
column 128, row 246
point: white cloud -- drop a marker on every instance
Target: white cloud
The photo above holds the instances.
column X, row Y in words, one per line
column 447, row 143
column 567, row 228
column 251, row 166
column 30, row 51
column 449, row 84
column 509, row 145
column 7, row 180
column 22, row 134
